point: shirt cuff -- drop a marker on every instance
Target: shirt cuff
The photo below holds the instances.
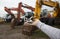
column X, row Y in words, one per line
column 39, row 24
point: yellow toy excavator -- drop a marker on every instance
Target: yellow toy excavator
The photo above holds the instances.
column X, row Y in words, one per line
column 49, row 3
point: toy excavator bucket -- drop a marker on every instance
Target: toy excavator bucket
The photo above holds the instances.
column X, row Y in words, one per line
column 28, row 29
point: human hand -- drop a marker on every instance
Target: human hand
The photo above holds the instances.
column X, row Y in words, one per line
column 35, row 22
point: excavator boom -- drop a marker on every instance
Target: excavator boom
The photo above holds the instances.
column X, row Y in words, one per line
column 50, row 3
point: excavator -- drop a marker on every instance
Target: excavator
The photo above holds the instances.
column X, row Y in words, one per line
column 50, row 3
column 28, row 29
column 19, row 10
column 8, row 10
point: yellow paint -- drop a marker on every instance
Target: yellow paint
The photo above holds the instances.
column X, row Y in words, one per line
column 37, row 10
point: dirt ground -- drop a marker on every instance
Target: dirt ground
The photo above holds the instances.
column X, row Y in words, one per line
column 7, row 33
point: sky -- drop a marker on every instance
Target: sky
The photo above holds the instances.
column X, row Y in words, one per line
column 14, row 3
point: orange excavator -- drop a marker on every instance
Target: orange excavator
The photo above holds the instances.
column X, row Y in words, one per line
column 19, row 10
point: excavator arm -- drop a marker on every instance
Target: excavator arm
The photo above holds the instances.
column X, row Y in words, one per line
column 28, row 7
column 37, row 10
column 50, row 3
column 7, row 10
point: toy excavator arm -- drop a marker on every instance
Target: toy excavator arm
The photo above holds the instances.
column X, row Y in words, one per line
column 37, row 10
column 50, row 3
column 28, row 7
column 14, row 9
column 7, row 10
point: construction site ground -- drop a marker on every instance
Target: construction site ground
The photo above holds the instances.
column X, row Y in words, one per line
column 7, row 33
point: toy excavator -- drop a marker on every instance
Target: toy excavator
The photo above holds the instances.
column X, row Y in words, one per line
column 50, row 3
column 26, row 30
column 19, row 10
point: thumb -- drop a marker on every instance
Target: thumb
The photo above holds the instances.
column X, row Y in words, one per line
column 35, row 22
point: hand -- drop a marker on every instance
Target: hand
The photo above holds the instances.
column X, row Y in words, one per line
column 26, row 23
column 35, row 22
